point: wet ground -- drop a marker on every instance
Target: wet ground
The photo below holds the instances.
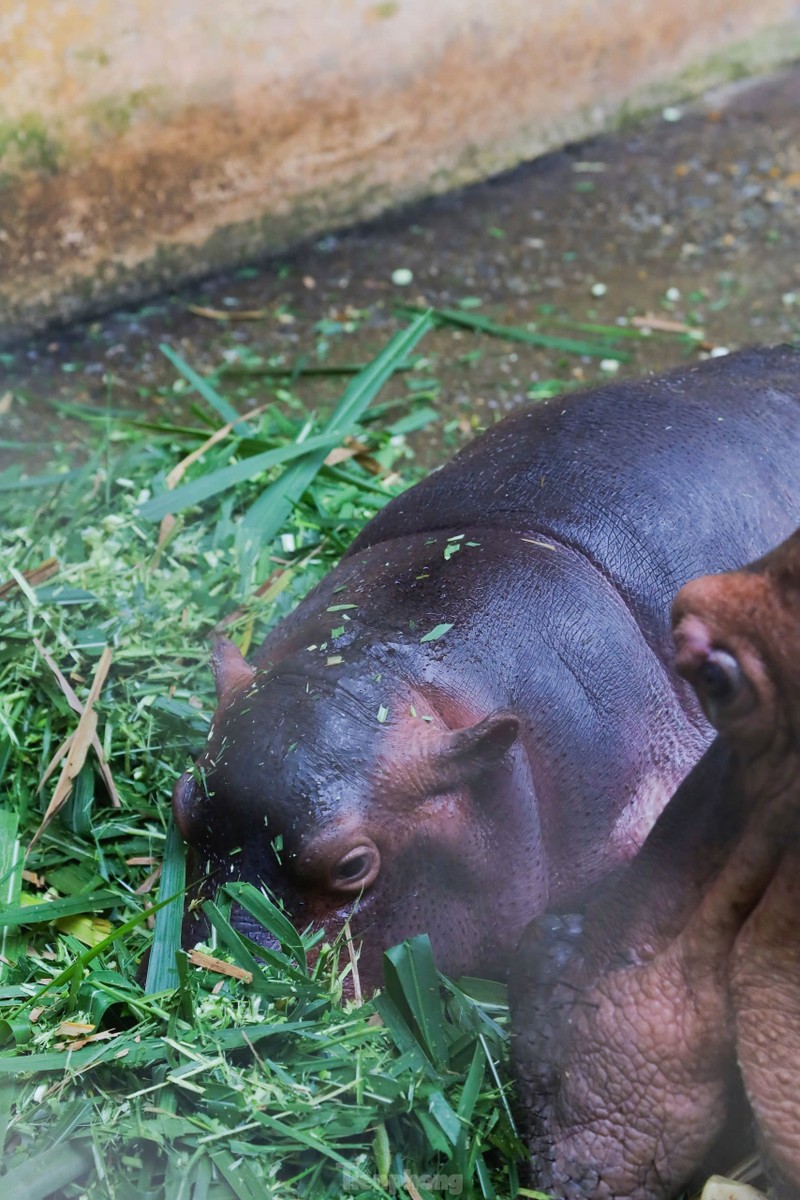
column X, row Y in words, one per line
column 690, row 216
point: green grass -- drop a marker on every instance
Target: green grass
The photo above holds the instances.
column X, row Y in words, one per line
column 172, row 1080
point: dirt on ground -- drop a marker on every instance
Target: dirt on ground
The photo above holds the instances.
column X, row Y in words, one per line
column 688, row 217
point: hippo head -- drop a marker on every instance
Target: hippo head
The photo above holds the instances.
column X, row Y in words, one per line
column 351, row 798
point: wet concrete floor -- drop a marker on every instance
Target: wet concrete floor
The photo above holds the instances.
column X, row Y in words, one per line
column 689, row 216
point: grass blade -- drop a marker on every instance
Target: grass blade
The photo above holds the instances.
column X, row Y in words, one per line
column 472, row 1084
column 413, row 984
column 54, row 910
column 162, row 971
column 11, row 861
column 239, row 1177
column 148, row 1050
column 445, row 1118
column 41, row 1176
column 610, row 331
column 204, row 388
column 299, row 369
column 215, row 482
column 515, row 333
column 10, row 482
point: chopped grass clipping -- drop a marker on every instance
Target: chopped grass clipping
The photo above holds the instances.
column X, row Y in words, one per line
column 129, row 1066
column 438, row 631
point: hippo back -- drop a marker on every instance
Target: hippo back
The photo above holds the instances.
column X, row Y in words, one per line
column 655, row 480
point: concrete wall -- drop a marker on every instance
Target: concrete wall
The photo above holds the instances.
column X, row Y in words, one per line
column 143, row 142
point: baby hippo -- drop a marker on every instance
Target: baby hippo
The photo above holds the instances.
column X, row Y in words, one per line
column 632, row 1017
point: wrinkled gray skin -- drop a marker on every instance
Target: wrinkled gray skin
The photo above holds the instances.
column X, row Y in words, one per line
column 632, row 1018
column 460, row 786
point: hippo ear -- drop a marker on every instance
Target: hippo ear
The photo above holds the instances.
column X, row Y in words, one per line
column 231, row 670
column 464, row 753
column 184, row 799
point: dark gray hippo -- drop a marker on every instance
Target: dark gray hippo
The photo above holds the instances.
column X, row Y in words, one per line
column 476, row 715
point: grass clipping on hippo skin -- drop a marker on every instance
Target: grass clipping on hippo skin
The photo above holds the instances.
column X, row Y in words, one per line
column 236, row 1071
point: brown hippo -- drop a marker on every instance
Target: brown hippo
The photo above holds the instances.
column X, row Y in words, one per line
column 631, row 1018
column 476, row 715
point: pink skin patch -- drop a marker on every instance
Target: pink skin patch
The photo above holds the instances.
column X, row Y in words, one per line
column 692, row 643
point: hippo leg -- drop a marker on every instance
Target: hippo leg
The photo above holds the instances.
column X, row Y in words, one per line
column 623, row 1076
column 765, row 988
column 624, row 1046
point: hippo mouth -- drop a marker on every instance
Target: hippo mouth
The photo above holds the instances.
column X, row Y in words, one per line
column 243, row 922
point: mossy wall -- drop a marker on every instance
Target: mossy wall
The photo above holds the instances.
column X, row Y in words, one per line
column 143, row 143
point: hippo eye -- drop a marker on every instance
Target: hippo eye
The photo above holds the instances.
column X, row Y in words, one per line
column 720, row 683
column 719, row 676
column 356, row 869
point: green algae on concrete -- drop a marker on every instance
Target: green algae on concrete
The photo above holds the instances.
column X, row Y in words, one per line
column 114, row 115
column 28, row 145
